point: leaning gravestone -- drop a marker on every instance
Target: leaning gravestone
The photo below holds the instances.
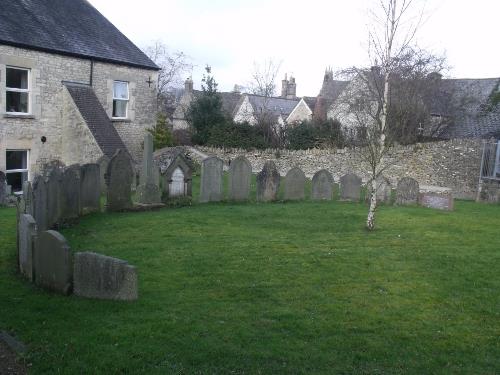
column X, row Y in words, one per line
column 119, row 178
column 350, row 187
column 322, row 185
column 40, row 203
column 27, row 234
column 90, row 190
column 240, row 175
column 53, row 196
column 103, row 277
column 28, row 198
column 407, row 191
column 295, row 181
column 268, row 182
column 211, row 180
column 148, row 191
column 70, row 193
column 53, row 263
column 384, row 190
column 3, row 188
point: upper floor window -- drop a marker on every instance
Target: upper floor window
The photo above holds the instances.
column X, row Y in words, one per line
column 120, row 99
column 17, row 90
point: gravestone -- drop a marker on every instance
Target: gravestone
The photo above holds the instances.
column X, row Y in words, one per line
column 3, row 188
column 119, row 178
column 27, row 234
column 90, row 189
column 350, row 187
column 40, row 203
column 322, row 185
column 148, row 191
column 295, row 181
column 103, row 167
column 177, row 172
column 240, row 177
column 53, row 263
column 28, row 198
column 70, row 193
column 384, row 190
column 437, row 201
column 53, row 196
column 407, row 191
column 211, row 180
column 268, row 182
column 102, row 277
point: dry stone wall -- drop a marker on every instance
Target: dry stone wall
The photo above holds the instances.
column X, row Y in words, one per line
column 454, row 164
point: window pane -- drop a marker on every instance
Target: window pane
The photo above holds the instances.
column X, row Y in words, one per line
column 17, row 160
column 120, row 90
column 17, row 78
column 17, row 102
column 120, row 108
column 16, row 180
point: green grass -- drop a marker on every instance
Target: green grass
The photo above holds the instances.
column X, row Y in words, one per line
column 291, row 288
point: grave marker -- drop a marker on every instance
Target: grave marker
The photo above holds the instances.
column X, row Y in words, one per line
column 240, row 176
column 268, row 182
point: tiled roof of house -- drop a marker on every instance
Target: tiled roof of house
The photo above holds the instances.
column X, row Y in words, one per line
column 275, row 105
column 310, row 101
column 96, row 118
column 69, row 27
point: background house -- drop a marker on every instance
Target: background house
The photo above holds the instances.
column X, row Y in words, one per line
column 72, row 87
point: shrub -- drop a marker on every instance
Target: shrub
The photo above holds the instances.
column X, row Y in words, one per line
column 236, row 135
column 162, row 137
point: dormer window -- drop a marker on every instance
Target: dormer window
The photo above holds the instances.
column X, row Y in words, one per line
column 120, row 99
column 17, row 90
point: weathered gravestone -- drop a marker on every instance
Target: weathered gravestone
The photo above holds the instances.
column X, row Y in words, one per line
column 103, row 277
column 53, row 262
column 28, row 198
column 268, row 182
column 384, row 190
column 407, row 191
column 3, row 188
column 322, row 185
column 27, row 234
column 295, row 182
column 20, row 209
column 211, row 180
column 40, row 203
column 437, row 201
column 148, row 191
column 90, row 189
column 240, row 177
column 53, row 196
column 119, row 178
column 350, row 187
column 103, row 167
column 70, row 193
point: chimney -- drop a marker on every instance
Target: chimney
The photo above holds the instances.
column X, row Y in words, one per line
column 284, row 87
column 292, row 89
column 188, row 85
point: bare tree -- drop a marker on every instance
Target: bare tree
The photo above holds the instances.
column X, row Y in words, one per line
column 264, row 75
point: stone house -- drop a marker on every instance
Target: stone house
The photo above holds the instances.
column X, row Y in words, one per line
column 73, row 88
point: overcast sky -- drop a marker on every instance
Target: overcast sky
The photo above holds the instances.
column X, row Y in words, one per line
column 306, row 36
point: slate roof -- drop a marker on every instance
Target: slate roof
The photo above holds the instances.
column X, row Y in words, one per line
column 68, row 27
column 96, row 118
column 276, row 105
column 310, row 101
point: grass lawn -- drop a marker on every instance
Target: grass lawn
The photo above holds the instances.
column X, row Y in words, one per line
column 292, row 288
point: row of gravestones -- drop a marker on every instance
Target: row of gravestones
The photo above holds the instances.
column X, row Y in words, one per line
column 46, row 259
column 268, row 183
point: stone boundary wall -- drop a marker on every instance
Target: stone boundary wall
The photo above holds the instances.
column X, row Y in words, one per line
column 454, row 164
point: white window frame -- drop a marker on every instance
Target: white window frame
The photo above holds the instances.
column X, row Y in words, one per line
column 8, row 171
column 13, row 89
column 121, row 99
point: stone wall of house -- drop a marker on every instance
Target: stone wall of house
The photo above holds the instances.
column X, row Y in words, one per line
column 46, row 118
column 454, row 164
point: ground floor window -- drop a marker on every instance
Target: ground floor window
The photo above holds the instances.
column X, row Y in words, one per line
column 17, row 168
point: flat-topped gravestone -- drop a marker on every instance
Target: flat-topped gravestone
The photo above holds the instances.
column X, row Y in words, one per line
column 40, row 203
column 350, row 187
column 268, row 182
column 148, row 191
column 437, row 201
column 102, row 277
column 384, row 190
column 53, row 196
column 90, row 189
column 240, row 176
column 322, row 185
column 407, row 191
column 211, row 180
column 119, row 178
column 295, row 182
column 3, row 188
column 53, row 262
column 27, row 234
